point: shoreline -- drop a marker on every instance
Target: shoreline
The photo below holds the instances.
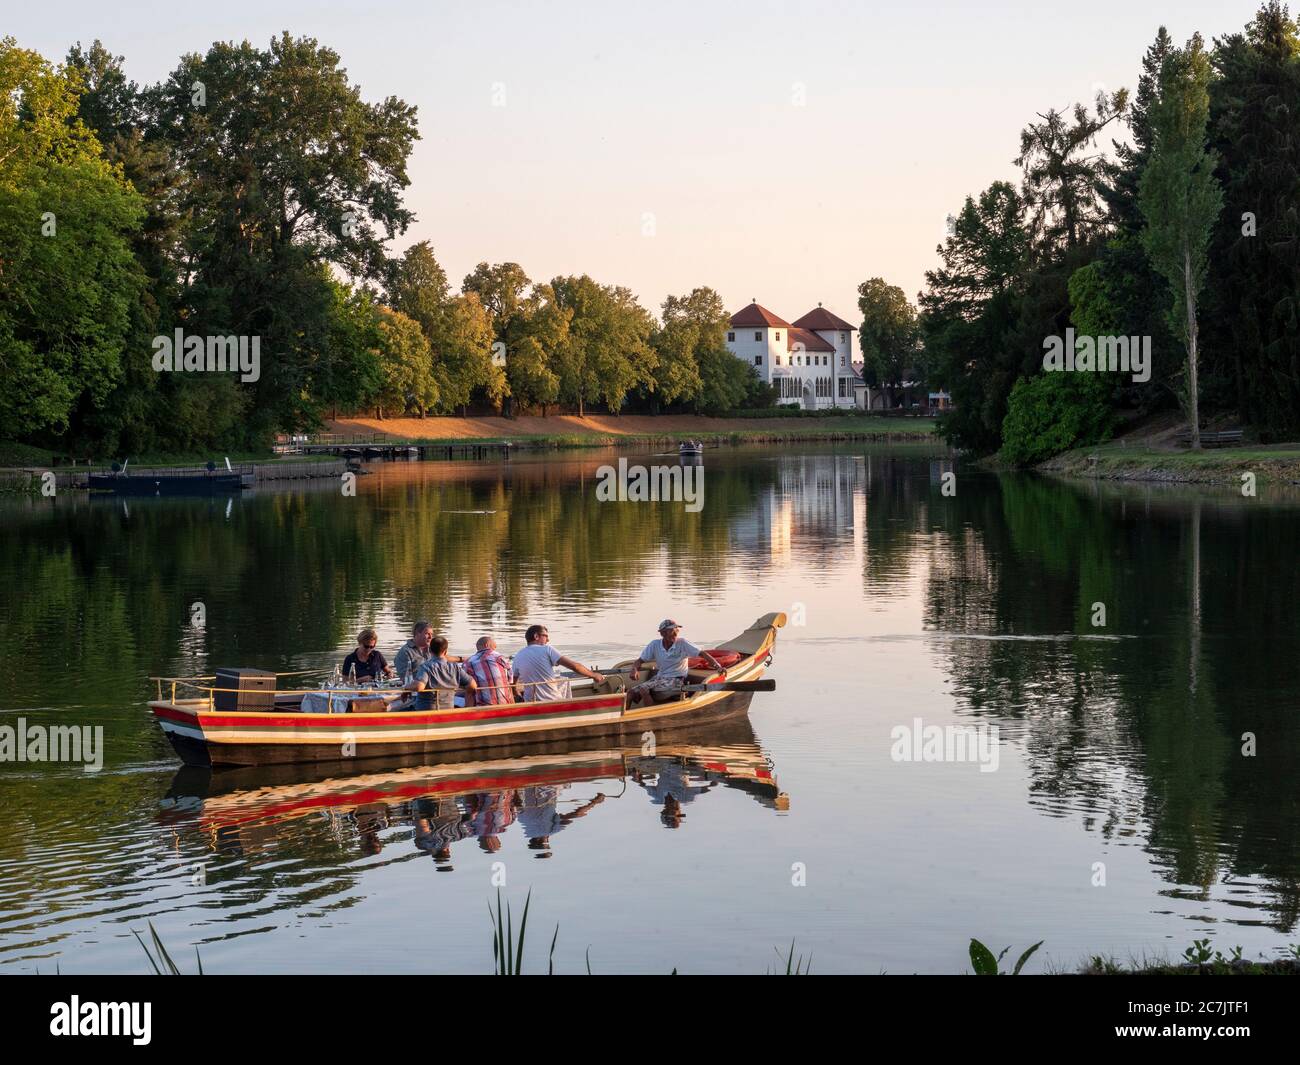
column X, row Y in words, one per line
column 1219, row 466
column 469, row 434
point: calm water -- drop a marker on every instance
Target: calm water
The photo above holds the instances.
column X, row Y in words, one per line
column 1119, row 745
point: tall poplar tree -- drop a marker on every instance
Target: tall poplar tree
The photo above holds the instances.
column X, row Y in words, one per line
column 1180, row 198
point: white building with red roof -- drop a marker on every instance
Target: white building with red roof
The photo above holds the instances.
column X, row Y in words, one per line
column 809, row 361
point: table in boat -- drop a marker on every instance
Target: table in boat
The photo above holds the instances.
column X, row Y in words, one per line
column 331, row 702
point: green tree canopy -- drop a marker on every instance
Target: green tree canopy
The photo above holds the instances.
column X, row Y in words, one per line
column 1180, row 198
column 69, row 284
column 888, row 334
column 284, row 167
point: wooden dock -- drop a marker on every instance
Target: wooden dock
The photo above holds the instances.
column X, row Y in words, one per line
column 251, row 473
column 379, row 447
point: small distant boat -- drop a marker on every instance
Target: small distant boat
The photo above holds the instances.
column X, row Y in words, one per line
column 274, row 730
column 164, row 482
column 690, row 447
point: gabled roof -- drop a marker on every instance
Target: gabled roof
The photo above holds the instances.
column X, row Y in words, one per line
column 756, row 315
column 810, row 341
column 820, row 318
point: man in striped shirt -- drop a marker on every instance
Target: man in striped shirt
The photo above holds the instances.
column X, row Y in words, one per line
column 492, row 673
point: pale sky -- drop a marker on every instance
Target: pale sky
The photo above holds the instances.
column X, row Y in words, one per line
column 783, row 151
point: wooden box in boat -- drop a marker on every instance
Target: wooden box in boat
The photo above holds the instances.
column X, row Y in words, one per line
column 202, row 735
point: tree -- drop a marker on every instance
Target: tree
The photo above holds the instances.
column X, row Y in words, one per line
column 405, row 363
column 462, row 354
column 285, row 167
column 501, row 289
column 1062, row 180
column 606, row 352
column 534, row 336
column 531, row 378
column 728, row 383
column 888, row 333
column 1180, row 197
column 694, row 328
column 418, row 287
column 107, row 102
column 1251, row 308
column 969, row 314
column 1053, row 412
column 349, row 372
column 1122, row 191
column 69, row 285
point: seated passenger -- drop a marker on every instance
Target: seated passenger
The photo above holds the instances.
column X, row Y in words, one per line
column 491, row 672
column 671, row 654
column 415, row 652
column 368, row 663
column 535, row 668
column 437, row 680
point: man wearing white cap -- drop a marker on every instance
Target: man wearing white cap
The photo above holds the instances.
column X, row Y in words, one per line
column 671, row 654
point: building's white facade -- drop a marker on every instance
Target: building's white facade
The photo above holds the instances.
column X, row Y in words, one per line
column 810, row 360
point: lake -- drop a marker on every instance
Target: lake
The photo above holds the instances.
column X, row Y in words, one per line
column 1141, row 792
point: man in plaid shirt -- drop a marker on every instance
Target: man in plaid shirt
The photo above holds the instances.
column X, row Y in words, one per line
column 491, row 672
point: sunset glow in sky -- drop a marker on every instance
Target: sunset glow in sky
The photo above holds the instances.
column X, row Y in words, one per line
column 778, row 151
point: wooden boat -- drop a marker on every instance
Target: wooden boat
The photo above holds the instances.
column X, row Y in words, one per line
column 202, row 734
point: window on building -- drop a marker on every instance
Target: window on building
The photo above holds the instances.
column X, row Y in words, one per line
column 778, row 360
column 843, row 359
column 758, row 360
column 758, row 334
column 778, row 337
column 844, row 337
column 731, row 338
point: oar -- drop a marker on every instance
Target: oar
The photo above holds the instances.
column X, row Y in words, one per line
column 733, row 686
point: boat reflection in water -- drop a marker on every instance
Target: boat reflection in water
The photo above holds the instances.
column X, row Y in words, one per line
column 242, row 811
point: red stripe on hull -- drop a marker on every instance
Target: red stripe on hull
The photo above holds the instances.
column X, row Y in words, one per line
column 352, row 722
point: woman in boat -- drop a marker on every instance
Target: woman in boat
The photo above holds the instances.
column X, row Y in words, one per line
column 368, row 662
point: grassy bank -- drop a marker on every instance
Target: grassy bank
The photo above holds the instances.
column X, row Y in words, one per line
column 563, row 431
column 558, row 431
column 1129, row 462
